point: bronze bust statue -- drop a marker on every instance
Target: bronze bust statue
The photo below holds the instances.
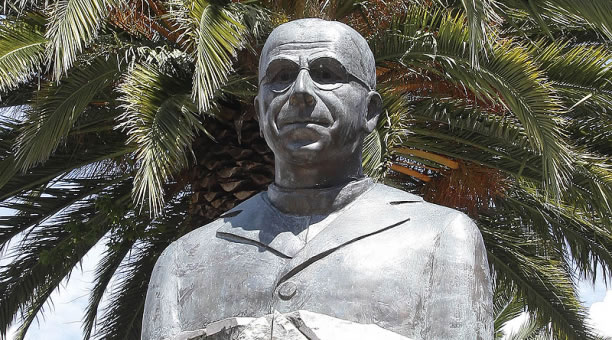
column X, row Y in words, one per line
column 324, row 238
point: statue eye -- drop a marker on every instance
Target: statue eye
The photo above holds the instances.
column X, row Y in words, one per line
column 321, row 75
column 327, row 71
column 281, row 72
column 285, row 76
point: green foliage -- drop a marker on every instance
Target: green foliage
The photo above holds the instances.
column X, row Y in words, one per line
column 161, row 123
column 22, row 46
column 216, row 31
column 56, row 109
column 72, row 26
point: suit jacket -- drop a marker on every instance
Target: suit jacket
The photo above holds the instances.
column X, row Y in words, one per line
column 388, row 258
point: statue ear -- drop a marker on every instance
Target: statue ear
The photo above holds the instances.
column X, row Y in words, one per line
column 258, row 116
column 374, row 104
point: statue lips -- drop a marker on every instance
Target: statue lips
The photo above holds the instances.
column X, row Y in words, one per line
column 292, row 123
column 301, row 132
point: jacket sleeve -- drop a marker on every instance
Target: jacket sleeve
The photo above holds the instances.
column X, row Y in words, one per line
column 160, row 319
column 462, row 305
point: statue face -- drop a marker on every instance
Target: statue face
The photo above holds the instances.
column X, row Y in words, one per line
column 311, row 105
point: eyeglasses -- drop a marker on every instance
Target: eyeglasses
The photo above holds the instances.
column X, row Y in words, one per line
column 326, row 73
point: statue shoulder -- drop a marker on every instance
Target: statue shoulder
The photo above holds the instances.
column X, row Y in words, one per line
column 400, row 199
column 208, row 231
column 456, row 227
column 203, row 240
column 393, row 196
column 459, row 238
column 449, row 222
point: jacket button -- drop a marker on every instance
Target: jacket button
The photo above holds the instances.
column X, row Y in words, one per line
column 287, row 290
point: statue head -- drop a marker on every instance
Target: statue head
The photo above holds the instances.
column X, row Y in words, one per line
column 317, row 98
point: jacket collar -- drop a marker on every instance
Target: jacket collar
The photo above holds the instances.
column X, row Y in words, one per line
column 257, row 221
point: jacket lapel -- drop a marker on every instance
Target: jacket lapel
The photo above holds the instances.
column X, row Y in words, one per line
column 255, row 221
column 372, row 213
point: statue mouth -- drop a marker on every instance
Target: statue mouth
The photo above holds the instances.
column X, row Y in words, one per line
column 302, row 133
column 302, row 123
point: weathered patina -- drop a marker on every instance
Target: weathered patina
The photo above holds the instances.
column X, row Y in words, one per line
column 324, row 238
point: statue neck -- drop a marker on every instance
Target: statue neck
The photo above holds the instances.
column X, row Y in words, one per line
column 326, row 174
column 316, row 201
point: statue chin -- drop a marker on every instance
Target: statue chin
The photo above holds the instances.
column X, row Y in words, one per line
column 298, row 325
column 302, row 148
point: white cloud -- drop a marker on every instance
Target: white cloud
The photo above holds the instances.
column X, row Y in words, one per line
column 513, row 325
column 591, row 292
column 11, row 332
column 600, row 315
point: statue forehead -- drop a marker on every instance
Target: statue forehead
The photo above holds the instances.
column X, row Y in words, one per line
column 308, row 36
column 310, row 32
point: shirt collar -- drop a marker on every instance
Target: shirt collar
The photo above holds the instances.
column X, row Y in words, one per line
column 317, row 201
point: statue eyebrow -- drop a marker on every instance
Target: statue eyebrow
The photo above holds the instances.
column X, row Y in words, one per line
column 305, row 42
column 317, row 55
column 301, row 45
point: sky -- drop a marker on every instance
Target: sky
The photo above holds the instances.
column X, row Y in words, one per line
column 62, row 320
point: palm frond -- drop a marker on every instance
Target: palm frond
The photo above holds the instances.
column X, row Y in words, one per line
column 522, row 262
column 123, row 315
column 588, row 242
column 372, row 154
column 389, row 134
column 126, row 229
column 9, row 128
column 530, row 329
column 592, row 131
column 581, row 74
column 22, row 47
column 506, row 307
column 406, row 31
column 107, row 267
column 72, row 26
column 160, row 121
column 12, row 182
column 592, row 188
column 508, row 78
column 57, row 108
column 498, row 141
column 219, row 34
column 44, row 258
column 594, row 12
column 122, row 318
column 30, row 211
column 479, row 15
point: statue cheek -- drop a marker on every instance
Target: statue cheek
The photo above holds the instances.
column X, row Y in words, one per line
column 333, row 103
column 348, row 111
column 274, row 103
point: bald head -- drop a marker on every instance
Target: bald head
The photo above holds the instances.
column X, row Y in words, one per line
column 326, row 37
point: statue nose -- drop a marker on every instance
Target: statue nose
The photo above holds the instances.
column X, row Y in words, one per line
column 301, row 94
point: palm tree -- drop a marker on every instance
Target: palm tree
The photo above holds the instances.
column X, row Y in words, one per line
column 130, row 123
column 509, row 307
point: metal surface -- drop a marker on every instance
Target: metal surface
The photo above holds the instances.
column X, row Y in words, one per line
column 323, row 238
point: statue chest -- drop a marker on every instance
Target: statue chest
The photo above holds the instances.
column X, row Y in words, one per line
column 383, row 279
